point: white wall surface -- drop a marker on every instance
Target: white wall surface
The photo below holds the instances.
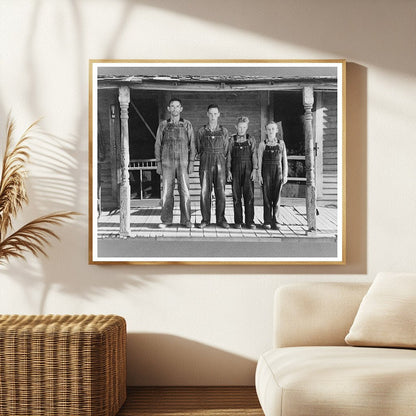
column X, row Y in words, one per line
column 196, row 325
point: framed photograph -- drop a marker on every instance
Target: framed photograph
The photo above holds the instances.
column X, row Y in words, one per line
column 213, row 162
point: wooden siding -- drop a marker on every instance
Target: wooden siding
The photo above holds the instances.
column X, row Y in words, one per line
column 108, row 157
column 330, row 143
column 231, row 105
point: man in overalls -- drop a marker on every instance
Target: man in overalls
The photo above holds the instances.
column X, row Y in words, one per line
column 242, row 168
column 212, row 146
column 175, row 154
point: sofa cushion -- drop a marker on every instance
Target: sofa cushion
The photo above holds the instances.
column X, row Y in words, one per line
column 304, row 381
column 387, row 314
column 315, row 314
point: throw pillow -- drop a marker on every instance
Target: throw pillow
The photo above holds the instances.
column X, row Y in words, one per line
column 387, row 314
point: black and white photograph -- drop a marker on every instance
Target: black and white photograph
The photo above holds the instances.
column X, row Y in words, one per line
column 217, row 162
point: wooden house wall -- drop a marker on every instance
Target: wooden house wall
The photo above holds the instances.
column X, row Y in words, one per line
column 329, row 174
column 108, row 160
column 231, row 105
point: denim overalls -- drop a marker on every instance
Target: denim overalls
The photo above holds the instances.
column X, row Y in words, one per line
column 212, row 171
column 175, row 159
column 243, row 186
column 272, row 172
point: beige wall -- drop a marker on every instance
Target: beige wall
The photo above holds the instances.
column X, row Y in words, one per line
column 204, row 325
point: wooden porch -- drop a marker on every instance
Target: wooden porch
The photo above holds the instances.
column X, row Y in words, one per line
column 312, row 102
column 144, row 223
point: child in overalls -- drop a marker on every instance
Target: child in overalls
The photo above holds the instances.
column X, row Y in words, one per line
column 272, row 160
column 242, row 168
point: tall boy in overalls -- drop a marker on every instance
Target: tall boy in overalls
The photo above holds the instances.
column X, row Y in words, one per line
column 212, row 146
column 272, row 159
column 175, row 154
column 242, row 167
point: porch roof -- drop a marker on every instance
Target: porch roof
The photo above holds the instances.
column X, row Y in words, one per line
column 217, row 82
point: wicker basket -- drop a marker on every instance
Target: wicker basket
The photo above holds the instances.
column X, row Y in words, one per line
column 71, row 365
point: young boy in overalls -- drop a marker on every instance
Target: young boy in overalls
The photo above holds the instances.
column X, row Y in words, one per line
column 272, row 160
column 242, row 168
column 212, row 145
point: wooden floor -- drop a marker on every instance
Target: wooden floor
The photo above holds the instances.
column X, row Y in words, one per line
column 191, row 401
column 145, row 221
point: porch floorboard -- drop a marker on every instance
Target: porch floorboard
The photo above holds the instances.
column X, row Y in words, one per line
column 145, row 221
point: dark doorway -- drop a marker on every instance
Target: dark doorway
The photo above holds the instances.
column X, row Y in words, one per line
column 143, row 122
column 289, row 110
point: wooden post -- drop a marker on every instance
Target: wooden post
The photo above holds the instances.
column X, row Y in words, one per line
column 113, row 152
column 124, row 98
column 309, row 160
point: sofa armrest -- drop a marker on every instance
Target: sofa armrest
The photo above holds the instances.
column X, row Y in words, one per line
column 315, row 313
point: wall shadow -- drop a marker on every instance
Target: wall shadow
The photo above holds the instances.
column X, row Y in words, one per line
column 62, row 275
column 336, row 28
column 169, row 360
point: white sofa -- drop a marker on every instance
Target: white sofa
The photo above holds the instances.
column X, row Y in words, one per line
column 311, row 371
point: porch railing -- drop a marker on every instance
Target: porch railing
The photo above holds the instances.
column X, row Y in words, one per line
column 140, row 165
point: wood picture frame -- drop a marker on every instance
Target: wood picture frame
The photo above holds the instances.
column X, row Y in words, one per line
column 128, row 101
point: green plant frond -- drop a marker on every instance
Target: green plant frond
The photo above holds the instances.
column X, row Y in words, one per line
column 33, row 237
